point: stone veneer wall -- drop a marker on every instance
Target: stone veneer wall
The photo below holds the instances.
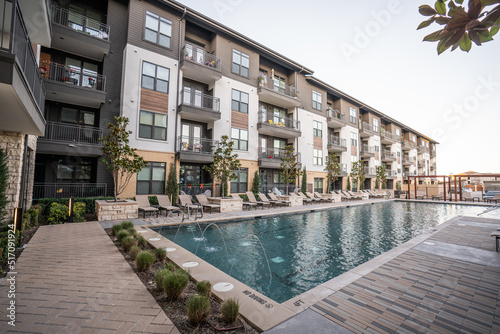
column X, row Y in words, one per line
column 127, row 209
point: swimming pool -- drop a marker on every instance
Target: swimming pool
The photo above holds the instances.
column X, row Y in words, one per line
column 306, row 250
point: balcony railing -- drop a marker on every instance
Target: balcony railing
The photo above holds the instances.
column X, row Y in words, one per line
column 276, row 120
column 423, row 149
column 72, row 133
column 197, row 145
column 369, row 170
column 273, row 154
column 365, row 149
column 67, row 190
column 388, row 155
column 200, row 56
column 278, row 86
column 80, row 23
column 368, row 127
column 331, row 113
column 342, row 168
column 199, row 100
column 73, row 76
column 407, row 144
column 14, row 39
column 337, row 141
column 196, row 189
column 408, row 159
column 390, row 136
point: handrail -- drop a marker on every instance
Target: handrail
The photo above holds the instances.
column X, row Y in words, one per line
column 268, row 117
column 72, row 133
column 67, row 190
column 336, row 114
column 73, row 75
column 274, row 153
column 197, row 145
column 80, row 23
column 337, row 141
column 278, row 86
column 367, row 127
column 199, row 100
column 367, row 149
column 200, row 56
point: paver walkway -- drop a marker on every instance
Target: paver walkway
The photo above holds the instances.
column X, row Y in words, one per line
column 72, row 279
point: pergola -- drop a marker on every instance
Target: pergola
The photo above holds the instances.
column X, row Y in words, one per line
column 445, row 177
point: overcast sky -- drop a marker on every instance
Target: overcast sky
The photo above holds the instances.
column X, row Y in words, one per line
column 372, row 51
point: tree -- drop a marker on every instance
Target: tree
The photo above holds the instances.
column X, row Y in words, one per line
column 478, row 24
column 381, row 175
column 288, row 167
column 172, row 188
column 120, row 159
column 332, row 168
column 225, row 164
column 255, row 183
column 358, row 174
column 303, row 186
column 4, row 176
column 348, row 184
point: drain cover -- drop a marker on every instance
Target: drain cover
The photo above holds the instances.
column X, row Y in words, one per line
column 223, row 287
column 170, row 249
column 190, row 264
column 154, row 239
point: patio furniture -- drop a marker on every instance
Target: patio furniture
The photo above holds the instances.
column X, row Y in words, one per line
column 422, row 195
column 311, row 196
column 440, row 196
column 355, row 196
column 186, row 203
column 164, row 204
column 467, row 196
column 246, row 204
column 322, row 198
column 496, row 234
column 203, row 200
column 264, row 199
column 252, row 199
column 273, row 197
column 144, row 206
column 495, row 198
column 343, row 197
column 305, row 199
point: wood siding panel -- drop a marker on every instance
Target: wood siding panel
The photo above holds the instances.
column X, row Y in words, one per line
column 239, row 120
column 354, row 150
column 318, row 143
column 154, row 101
column 377, row 155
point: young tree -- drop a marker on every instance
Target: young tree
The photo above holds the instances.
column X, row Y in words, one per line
column 348, row 184
column 224, row 165
column 255, row 183
column 332, row 168
column 358, row 174
column 172, row 188
column 303, row 186
column 381, row 175
column 120, row 159
column 288, row 168
column 4, row 175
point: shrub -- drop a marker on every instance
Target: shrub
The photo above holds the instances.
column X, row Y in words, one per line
column 134, row 250
column 230, row 310
column 198, row 309
column 160, row 277
column 144, row 260
column 58, row 213
column 175, row 283
column 127, row 224
column 204, row 288
column 122, row 235
column 170, row 266
column 142, row 241
column 132, row 232
column 115, row 229
column 161, row 254
column 31, row 217
column 79, row 212
column 128, row 242
column 88, row 201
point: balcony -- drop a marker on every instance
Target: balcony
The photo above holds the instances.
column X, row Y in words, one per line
column 197, row 150
column 433, row 153
column 408, row 161
column 199, row 107
column 73, row 85
column 369, row 172
column 389, row 138
column 391, row 174
column 276, row 93
column 421, row 163
column 335, row 118
column 78, row 34
column 199, row 65
column 422, row 149
column 271, row 157
column 367, row 130
column 272, row 125
column 72, row 139
column 337, row 144
column 407, row 145
column 67, row 190
column 22, row 91
column 342, row 169
column 388, row 156
column 406, row 174
column 367, row 151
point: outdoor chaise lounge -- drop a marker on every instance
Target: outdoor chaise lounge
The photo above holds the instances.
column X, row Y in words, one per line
column 343, row 197
column 144, row 206
column 353, row 195
column 467, row 196
column 203, row 200
column 164, row 204
column 496, row 198
column 323, row 198
column 246, row 204
column 274, row 198
column 264, row 198
column 186, row 203
column 440, row 196
column 422, row 195
column 314, row 198
column 305, row 199
column 252, row 199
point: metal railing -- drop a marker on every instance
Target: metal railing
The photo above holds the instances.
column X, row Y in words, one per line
column 342, row 169
column 278, row 86
column 388, row 155
column 337, row 141
column 14, row 39
column 390, row 136
column 365, row 149
column 422, row 149
column 367, row 127
column 80, row 23
column 407, row 144
column 196, row 189
column 67, row 190
column 332, row 113
column 268, row 117
column 369, row 170
column 73, row 76
column 407, row 159
column 199, row 100
column 197, row 145
column 71, row 133
column 421, row 163
column 200, row 56
column 273, row 154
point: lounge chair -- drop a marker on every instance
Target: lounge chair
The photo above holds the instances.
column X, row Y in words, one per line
column 343, row 197
column 252, row 199
column 422, row 195
column 264, row 198
column 440, row 196
column 276, row 199
column 467, row 196
column 496, row 198
column 203, row 200
column 315, row 199
column 305, row 199
column 373, row 194
column 186, row 203
column 323, row 198
column 248, row 205
column 144, row 206
column 164, row 204
column 355, row 196
column 348, row 195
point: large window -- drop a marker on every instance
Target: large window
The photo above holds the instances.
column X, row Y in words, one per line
column 318, row 184
column 77, row 116
column 240, row 139
column 151, row 179
column 397, row 133
column 152, row 125
column 158, row 30
column 316, row 100
column 155, row 77
column 239, row 101
column 352, row 115
column 317, row 157
column 375, row 125
column 240, row 184
column 317, row 129
column 74, row 172
column 241, row 63
column 354, row 139
column 377, row 145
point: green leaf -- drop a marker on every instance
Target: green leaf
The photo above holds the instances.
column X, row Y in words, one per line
column 489, row 2
column 426, row 10
column 474, row 36
column 494, row 31
column 433, row 37
column 452, row 5
column 457, row 12
column 457, row 44
column 443, row 20
column 460, row 1
column 485, row 37
column 426, row 23
column 440, row 7
column 466, row 43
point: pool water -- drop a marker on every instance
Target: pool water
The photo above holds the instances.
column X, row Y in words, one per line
column 306, row 250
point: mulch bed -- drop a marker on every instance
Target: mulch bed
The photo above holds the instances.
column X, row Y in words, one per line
column 176, row 310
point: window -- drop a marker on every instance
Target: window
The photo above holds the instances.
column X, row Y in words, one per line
column 76, row 116
column 377, row 146
column 317, row 157
column 375, row 125
column 240, row 139
column 151, row 179
column 279, row 84
column 158, row 30
column 241, row 63
column 74, row 171
column 318, row 184
column 240, row 184
column 155, row 77
column 152, row 125
column 354, row 139
column 352, row 115
column 316, row 100
column 239, row 101
column 317, row 129
column 397, row 133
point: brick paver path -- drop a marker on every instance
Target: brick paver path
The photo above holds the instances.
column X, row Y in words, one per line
column 72, row 279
